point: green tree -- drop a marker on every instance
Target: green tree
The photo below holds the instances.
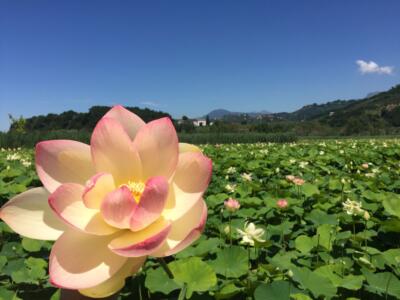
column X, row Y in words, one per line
column 17, row 124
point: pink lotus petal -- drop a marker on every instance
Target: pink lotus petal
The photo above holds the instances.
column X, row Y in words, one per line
column 113, row 152
column 30, row 215
column 61, row 161
column 157, row 144
column 191, row 179
column 67, row 203
column 184, row 147
column 118, row 206
column 129, row 121
column 185, row 230
column 140, row 243
column 80, row 261
column 96, row 189
column 116, row 282
column 151, row 203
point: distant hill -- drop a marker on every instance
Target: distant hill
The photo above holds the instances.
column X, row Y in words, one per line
column 218, row 114
column 379, row 111
column 311, row 111
column 372, row 94
column 378, row 104
column 82, row 120
column 376, row 114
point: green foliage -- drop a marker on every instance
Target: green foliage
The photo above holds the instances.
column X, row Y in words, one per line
column 231, row 262
column 197, row 275
column 317, row 284
column 30, row 139
column 17, row 125
column 277, row 290
column 313, row 248
column 81, row 121
column 392, row 205
column 158, row 281
column 31, row 245
column 310, row 189
column 304, row 244
column 375, row 115
column 384, row 283
column 242, row 137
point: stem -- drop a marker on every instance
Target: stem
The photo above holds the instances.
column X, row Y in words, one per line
column 230, row 229
column 283, row 246
column 317, row 250
column 365, row 234
column 182, row 293
column 342, row 191
column 140, row 292
column 220, row 230
column 387, row 285
column 341, row 261
column 165, row 267
column 329, row 241
column 248, row 250
column 258, row 250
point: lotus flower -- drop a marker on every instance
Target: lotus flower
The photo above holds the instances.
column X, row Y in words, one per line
column 232, row 205
column 250, row 234
column 134, row 192
column 282, row 203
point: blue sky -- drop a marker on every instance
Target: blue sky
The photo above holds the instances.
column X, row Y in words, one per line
column 189, row 57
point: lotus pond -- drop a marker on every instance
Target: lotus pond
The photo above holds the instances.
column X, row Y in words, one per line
column 317, row 220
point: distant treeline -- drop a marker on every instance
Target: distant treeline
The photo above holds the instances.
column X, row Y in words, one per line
column 70, row 120
column 372, row 116
column 15, row 139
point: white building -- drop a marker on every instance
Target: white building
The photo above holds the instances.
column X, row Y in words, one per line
column 199, row 122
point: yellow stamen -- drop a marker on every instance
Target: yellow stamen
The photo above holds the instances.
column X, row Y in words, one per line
column 136, row 189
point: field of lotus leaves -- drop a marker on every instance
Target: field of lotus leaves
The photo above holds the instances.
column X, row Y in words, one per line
column 317, row 220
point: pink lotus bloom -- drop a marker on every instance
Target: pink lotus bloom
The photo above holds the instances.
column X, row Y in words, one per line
column 282, row 203
column 232, row 205
column 298, row 181
column 133, row 192
column 290, row 177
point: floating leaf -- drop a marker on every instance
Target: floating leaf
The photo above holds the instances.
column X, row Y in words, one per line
column 304, row 244
column 231, row 262
column 317, row 284
column 8, row 295
column 196, row 274
column 227, row 291
column 3, row 261
column 325, row 236
column 31, row 245
column 382, row 283
column 392, row 205
column 158, row 281
column 277, row 290
column 309, row 189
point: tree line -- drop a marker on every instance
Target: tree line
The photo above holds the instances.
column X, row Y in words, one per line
column 70, row 120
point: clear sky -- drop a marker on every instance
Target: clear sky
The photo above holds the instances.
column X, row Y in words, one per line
column 189, row 57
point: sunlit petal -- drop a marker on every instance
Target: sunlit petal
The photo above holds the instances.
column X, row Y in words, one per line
column 30, row 215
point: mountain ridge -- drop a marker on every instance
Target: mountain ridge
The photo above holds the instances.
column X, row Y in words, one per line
column 375, row 114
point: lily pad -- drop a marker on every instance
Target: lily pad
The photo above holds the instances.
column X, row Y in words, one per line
column 231, row 262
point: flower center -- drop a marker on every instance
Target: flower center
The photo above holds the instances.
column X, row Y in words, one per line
column 136, row 189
